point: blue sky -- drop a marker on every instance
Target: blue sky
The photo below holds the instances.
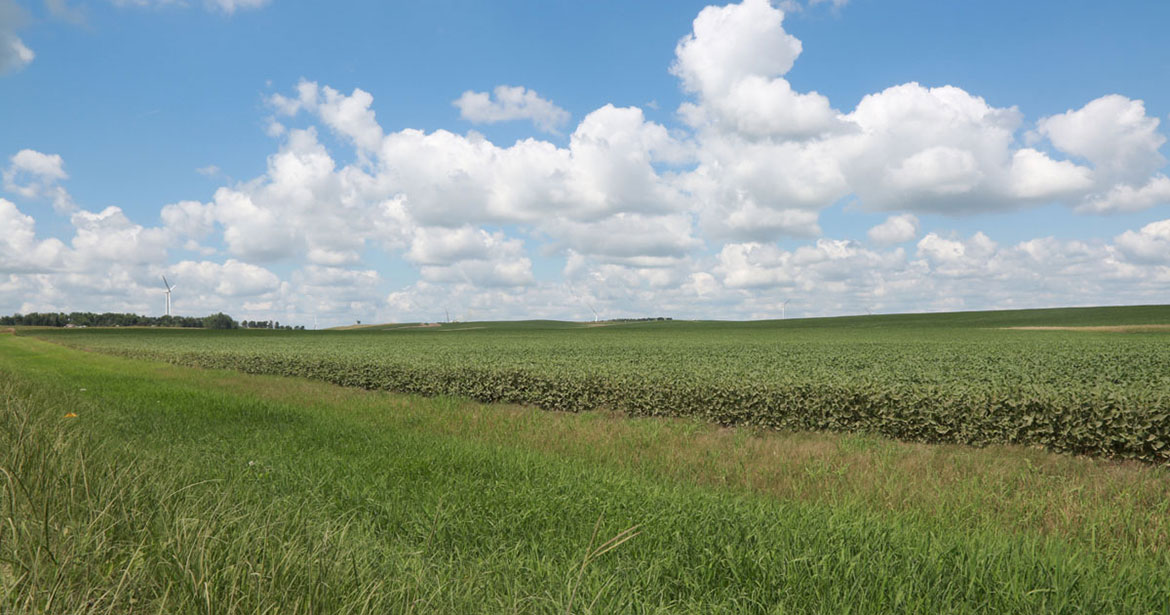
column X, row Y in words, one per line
column 301, row 161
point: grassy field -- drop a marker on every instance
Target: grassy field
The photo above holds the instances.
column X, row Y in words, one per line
column 966, row 378
column 176, row 490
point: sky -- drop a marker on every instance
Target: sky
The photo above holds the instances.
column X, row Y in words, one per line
column 325, row 163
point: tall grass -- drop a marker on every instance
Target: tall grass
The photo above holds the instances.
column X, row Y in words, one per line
column 179, row 491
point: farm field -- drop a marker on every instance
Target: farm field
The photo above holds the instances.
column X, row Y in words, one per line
column 1092, row 381
column 136, row 486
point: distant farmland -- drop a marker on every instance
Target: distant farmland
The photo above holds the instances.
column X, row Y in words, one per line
column 1092, row 381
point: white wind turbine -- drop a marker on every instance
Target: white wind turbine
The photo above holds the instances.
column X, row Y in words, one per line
column 596, row 316
column 783, row 310
column 168, row 292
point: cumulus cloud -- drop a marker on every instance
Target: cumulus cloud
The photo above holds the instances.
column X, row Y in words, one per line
column 471, row 256
column 734, row 61
column 1035, row 176
column 629, row 238
column 20, row 250
column 349, row 116
column 944, row 272
column 508, row 103
column 930, row 149
column 1113, row 133
column 48, row 167
column 733, row 42
column 35, row 175
column 304, row 206
column 231, row 278
column 646, row 218
column 772, row 155
column 608, row 167
column 1151, row 244
column 896, row 229
column 109, row 236
column 1122, row 197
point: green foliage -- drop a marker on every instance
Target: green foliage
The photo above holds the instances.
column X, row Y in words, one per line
column 219, row 321
column 112, row 319
column 948, row 378
column 171, row 492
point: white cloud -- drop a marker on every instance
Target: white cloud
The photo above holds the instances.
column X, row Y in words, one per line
column 225, row 6
column 955, row 257
column 1149, row 245
column 1113, row 133
column 229, row 279
column 734, row 61
column 929, row 149
column 470, row 256
column 189, row 218
column 628, row 238
column 60, row 9
column 648, row 220
column 20, row 250
column 14, row 54
column 732, row 42
column 349, row 116
column 35, row 175
column 771, row 157
column 896, row 229
column 304, row 206
column 508, row 103
column 608, row 168
column 1122, row 197
column 48, row 167
column 1036, row 176
column 109, row 236
column 231, row 6
column 763, row 190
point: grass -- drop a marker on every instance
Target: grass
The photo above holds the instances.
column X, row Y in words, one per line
column 191, row 491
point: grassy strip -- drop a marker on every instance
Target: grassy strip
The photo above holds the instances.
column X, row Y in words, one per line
column 183, row 491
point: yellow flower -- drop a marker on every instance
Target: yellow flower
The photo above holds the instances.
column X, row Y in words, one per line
column 70, row 415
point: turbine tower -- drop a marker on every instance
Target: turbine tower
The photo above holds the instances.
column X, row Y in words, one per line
column 783, row 311
column 168, row 292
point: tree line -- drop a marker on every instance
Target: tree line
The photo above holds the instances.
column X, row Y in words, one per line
column 112, row 319
column 269, row 324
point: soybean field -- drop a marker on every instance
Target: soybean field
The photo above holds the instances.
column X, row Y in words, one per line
column 1091, row 381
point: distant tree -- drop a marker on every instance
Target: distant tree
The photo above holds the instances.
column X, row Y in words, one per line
column 111, row 319
column 219, row 321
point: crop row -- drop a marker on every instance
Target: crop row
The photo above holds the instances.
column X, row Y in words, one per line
column 1097, row 420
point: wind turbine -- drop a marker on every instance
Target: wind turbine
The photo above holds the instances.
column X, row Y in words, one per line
column 168, row 292
column 596, row 318
column 783, row 312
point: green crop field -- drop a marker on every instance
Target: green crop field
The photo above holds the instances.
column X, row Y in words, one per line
column 966, row 378
column 189, row 471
